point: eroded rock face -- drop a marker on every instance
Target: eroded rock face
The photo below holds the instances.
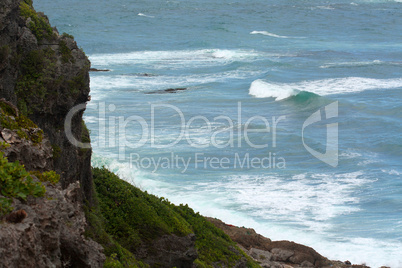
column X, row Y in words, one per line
column 45, row 74
column 51, row 233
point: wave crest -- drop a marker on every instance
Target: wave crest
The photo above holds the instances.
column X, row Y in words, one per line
column 280, row 91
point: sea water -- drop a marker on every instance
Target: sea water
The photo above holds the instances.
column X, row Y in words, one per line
column 290, row 121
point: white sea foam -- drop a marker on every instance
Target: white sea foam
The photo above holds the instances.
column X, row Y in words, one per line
column 261, row 89
column 139, row 83
column 273, row 35
column 269, row 34
column 391, row 172
column 309, row 200
column 360, row 64
column 280, row 91
column 349, row 155
column 143, row 15
column 181, row 58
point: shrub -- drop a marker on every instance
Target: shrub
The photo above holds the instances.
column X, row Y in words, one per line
column 47, row 176
column 38, row 24
column 16, row 182
column 22, row 125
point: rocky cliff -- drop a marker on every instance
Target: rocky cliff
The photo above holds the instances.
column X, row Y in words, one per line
column 45, row 74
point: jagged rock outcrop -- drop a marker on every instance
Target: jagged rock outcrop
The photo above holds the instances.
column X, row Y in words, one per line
column 50, row 233
column 45, row 74
column 27, row 143
column 275, row 254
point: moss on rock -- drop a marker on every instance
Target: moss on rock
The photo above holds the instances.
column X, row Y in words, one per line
column 22, row 125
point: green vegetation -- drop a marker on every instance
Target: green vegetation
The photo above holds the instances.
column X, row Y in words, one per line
column 47, row 176
column 85, row 137
column 128, row 217
column 38, row 76
column 66, row 55
column 22, row 125
column 78, row 82
column 38, row 24
column 15, row 182
column 66, row 35
column 56, row 151
column 116, row 255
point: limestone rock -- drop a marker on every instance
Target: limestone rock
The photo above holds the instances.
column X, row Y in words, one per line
column 50, row 97
column 51, row 233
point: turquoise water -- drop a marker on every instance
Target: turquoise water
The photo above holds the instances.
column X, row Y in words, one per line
column 233, row 145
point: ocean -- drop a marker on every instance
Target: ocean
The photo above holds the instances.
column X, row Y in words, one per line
column 283, row 116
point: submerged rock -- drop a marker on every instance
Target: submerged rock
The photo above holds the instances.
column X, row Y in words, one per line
column 169, row 90
column 98, row 70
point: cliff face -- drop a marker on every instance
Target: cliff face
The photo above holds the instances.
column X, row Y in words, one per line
column 45, row 74
column 50, row 234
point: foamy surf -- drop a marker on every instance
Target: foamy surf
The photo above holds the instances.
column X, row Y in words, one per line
column 178, row 57
column 281, row 201
column 280, row 91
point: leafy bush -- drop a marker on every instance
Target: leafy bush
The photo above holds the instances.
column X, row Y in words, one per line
column 66, row 55
column 38, row 24
column 66, row 35
column 16, row 182
column 37, row 81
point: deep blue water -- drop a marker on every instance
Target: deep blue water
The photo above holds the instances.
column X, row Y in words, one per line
column 264, row 66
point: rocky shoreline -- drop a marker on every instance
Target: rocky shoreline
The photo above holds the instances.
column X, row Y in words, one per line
column 277, row 254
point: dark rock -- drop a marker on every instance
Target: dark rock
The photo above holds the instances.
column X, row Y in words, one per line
column 61, row 87
column 98, row 70
column 46, row 235
column 16, row 216
column 146, row 74
column 170, row 251
column 282, row 251
column 246, row 237
column 169, row 90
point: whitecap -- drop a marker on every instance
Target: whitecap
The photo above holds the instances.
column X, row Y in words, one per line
column 280, row 91
column 143, row 15
column 273, row 35
column 261, row 89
